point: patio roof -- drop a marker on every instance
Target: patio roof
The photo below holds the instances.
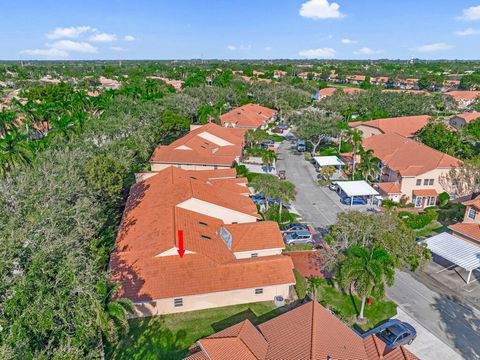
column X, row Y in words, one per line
column 458, row 251
column 328, row 161
column 425, row 192
column 357, row 188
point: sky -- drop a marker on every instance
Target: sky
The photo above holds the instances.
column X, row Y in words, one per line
column 239, row 29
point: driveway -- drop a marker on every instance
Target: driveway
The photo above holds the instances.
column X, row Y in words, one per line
column 442, row 313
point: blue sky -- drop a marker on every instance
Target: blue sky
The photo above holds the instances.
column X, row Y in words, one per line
column 240, row 29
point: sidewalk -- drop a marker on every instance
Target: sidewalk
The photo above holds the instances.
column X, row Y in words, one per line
column 427, row 346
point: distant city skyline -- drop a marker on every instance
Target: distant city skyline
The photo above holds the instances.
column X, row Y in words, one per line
column 240, row 29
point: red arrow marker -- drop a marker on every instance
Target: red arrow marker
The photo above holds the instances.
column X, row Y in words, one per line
column 180, row 250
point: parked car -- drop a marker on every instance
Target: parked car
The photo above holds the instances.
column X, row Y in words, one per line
column 289, row 228
column 356, row 201
column 301, row 147
column 394, row 333
column 258, row 198
column 299, row 238
column 333, row 187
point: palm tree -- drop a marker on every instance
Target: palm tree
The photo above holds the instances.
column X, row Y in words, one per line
column 111, row 314
column 286, row 194
column 313, row 284
column 268, row 158
column 14, row 151
column 355, row 138
column 369, row 165
column 369, row 271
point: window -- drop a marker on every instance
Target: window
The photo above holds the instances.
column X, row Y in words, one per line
column 206, row 237
column 254, row 255
column 258, row 291
column 419, row 182
column 432, row 200
column 425, row 182
column 178, row 302
column 431, row 181
column 472, row 213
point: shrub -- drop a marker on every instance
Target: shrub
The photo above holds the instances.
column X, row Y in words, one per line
column 300, row 285
column 451, row 213
column 418, row 221
column 443, row 198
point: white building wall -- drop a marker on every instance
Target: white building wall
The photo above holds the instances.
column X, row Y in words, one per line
column 248, row 254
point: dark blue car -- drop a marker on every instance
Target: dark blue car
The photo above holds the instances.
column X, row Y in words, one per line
column 356, row 201
column 394, row 333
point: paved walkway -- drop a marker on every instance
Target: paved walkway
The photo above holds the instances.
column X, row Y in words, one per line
column 442, row 313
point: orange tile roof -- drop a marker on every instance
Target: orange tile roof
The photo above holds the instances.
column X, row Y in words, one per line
column 331, row 90
column 406, row 125
column 152, row 217
column 246, row 236
column 306, row 332
column 464, row 95
column 407, row 156
column 357, row 77
column 209, row 144
column 475, row 202
column 469, row 116
column 391, row 187
column 470, row 230
column 307, row 262
column 425, row 192
column 248, row 116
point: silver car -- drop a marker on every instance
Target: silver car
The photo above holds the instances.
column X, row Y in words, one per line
column 299, row 238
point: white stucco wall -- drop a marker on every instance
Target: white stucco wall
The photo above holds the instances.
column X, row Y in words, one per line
column 248, row 254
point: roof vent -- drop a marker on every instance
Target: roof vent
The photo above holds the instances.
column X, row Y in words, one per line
column 226, row 237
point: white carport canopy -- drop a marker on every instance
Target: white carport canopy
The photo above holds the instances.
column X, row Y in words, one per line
column 458, row 251
column 357, row 188
column 328, row 161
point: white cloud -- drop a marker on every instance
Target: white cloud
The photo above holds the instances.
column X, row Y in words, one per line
column 239, row 47
column 433, row 47
column 318, row 53
column 268, row 48
column 129, row 38
column 117, row 48
column 103, row 37
column 349, row 41
column 70, row 32
column 51, row 52
column 367, row 51
column 466, row 32
column 471, row 13
column 69, row 45
column 320, row 9
column 231, row 47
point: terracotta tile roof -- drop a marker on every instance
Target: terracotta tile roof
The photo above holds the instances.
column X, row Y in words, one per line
column 246, row 236
column 391, row 187
column 145, row 260
column 409, row 157
column 475, row 202
column 469, row 116
column 357, row 77
column 307, row 332
column 238, row 185
column 406, row 125
column 197, row 356
column 248, row 116
column 470, row 230
column 464, row 95
column 307, row 262
column 380, row 79
column 207, row 145
column 331, row 90
column 425, row 192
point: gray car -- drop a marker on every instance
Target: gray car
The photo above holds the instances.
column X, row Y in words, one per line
column 299, row 238
column 394, row 333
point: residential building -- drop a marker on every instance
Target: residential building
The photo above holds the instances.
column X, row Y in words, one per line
column 469, row 229
column 464, row 98
column 356, row 79
column 277, row 74
column 419, row 92
column 407, row 84
column 326, row 92
column 230, row 257
column 249, row 116
column 407, row 126
column 205, row 147
column 108, row 83
column 460, row 120
column 451, row 85
column 177, row 84
column 380, row 80
column 308, row 332
column 414, row 168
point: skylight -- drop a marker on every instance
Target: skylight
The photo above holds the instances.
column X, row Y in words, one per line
column 226, row 237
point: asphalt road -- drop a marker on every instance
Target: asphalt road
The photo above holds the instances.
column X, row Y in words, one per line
column 442, row 313
column 318, row 206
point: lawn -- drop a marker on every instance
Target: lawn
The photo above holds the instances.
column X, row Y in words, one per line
column 432, row 229
column 170, row 336
column 298, row 247
column 347, row 307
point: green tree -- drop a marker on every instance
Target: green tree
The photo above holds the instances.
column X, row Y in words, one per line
column 14, row 152
column 355, row 138
column 105, row 176
column 327, row 172
column 268, row 158
column 368, row 271
column 369, row 165
column 438, row 136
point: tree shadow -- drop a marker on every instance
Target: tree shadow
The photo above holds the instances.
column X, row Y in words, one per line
column 150, row 338
column 461, row 324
